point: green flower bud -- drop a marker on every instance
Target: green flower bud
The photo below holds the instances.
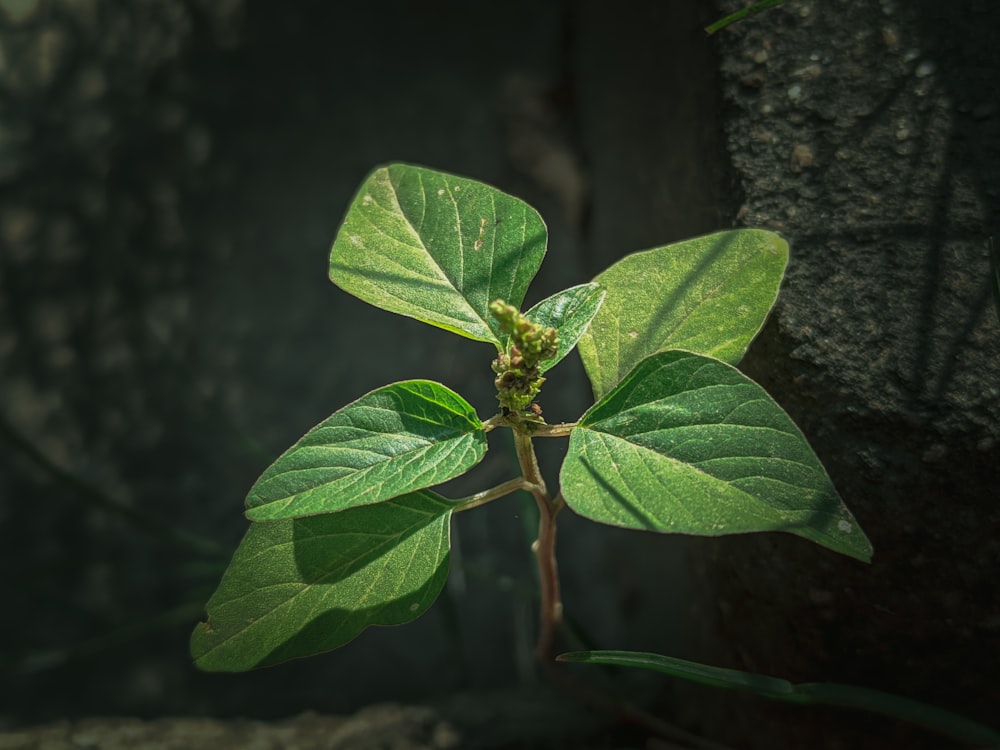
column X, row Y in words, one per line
column 518, row 373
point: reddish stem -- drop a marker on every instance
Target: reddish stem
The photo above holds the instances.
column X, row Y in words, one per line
column 544, row 547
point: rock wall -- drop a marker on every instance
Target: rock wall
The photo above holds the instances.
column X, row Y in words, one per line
column 868, row 135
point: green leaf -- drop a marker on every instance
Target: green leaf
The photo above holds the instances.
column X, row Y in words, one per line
column 688, row 444
column 437, row 248
column 709, row 295
column 303, row 586
column 741, row 14
column 768, row 687
column 830, row 693
column 400, row 438
column 569, row 312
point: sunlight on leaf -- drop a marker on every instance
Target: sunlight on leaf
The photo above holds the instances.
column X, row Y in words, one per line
column 394, row 440
column 709, row 295
column 437, row 248
column 569, row 312
column 688, row 444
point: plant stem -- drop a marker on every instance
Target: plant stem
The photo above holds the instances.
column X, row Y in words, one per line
column 552, row 430
column 551, row 602
column 493, row 422
column 528, row 462
column 493, row 493
column 544, row 547
column 537, row 429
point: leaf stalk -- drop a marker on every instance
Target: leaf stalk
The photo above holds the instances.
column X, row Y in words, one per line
column 493, row 493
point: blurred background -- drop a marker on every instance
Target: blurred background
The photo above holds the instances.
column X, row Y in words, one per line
column 172, row 174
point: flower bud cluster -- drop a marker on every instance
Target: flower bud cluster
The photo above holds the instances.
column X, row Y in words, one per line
column 519, row 377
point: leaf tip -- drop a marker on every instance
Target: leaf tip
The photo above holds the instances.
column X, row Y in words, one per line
column 256, row 513
column 198, row 646
column 855, row 544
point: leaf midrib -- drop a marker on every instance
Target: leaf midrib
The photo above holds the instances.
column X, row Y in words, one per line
column 645, row 453
column 394, row 192
column 697, row 464
column 351, row 478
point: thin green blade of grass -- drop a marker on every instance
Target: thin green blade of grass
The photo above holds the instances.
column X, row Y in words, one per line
column 939, row 720
column 741, row 14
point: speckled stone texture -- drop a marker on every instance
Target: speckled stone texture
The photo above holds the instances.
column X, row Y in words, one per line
column 869, row 135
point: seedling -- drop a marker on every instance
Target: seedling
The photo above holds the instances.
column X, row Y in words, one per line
column 346, row 529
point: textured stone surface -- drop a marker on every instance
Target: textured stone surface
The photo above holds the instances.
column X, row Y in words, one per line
column 527, row 719
column 867, row 135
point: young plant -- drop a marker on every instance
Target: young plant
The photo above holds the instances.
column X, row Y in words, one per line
column 346, row 531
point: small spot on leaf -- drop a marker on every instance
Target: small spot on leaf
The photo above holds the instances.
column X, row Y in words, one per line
column 844, row 526
column 633, row 335
column 482, row 231
column 414, row 607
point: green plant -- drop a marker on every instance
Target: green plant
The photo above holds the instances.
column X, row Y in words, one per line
column 346, row 531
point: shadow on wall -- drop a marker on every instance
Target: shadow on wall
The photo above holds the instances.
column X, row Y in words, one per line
column 883, row 179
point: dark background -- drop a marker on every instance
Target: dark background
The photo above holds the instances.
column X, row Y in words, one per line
column 173, row 172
